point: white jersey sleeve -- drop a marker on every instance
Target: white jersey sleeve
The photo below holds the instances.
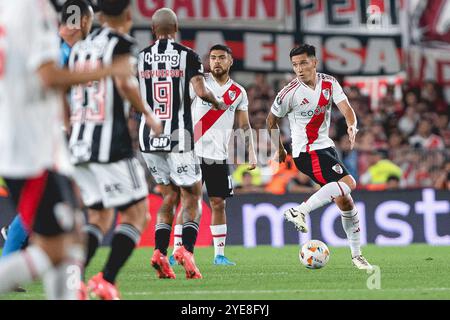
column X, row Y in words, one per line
column 338, row 93
column 283, row 102
column 243, row 105
column 42, row 34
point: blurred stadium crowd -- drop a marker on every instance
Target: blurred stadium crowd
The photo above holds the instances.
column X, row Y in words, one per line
column 403, row 144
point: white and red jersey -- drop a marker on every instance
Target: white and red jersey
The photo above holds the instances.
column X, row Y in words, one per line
column 31, row 136
column 309, row 112
column 213, row 128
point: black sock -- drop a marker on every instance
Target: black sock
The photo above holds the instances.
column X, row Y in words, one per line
column 125, row 239
column 94, row 240
column 162, row 237
column 190, row 231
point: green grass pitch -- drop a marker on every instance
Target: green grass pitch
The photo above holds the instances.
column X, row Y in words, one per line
column 266, row 273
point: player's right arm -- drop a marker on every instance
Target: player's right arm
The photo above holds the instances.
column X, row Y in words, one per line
column 53, row 77
column 200, row 89
column 279, row 109
column 275, row 136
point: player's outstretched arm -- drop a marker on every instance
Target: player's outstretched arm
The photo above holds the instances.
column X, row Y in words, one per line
column 350, row 119
column 274, row 133
column 202, row 91
column 244, row 124
column 54, row 77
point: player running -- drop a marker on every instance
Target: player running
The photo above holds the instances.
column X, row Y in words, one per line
column 107, row 173
column 34, row 160
column 212, row 133
column 307, row 101
column 16, row 237
column 166, row 70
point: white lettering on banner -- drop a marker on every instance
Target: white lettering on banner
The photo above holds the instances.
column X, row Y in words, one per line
column 346, row 48
column 382, row 56
column 385, row 223
column 251, row 213
column 205, row 40
column 284, row 45
column 256, row 51
column 430, row 64
column 345, row 55
column 328, row 231
column 214, row 9
column 429, row 207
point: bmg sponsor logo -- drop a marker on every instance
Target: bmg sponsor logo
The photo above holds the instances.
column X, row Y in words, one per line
column 171, row 57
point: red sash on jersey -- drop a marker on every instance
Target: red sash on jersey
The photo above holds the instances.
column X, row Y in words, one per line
column 211, row 117
column 312, row 129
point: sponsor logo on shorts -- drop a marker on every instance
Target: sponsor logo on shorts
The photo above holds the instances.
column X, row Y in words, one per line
column 113, row 188
column 182, row 169
column 337, row 168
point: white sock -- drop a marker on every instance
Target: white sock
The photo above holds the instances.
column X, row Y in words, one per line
column 350, row 223
column 325, row 195
column 219, row 233
column 23, row 267
column 63, row 281
column 177, row 237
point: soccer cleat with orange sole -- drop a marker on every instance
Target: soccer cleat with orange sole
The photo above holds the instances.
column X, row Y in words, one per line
column 186, row 259
column 102, row 289
column 161, row 264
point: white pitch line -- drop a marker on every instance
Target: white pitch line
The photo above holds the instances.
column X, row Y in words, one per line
column 199, row 292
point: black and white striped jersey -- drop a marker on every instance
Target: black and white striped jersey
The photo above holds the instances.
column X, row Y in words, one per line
column 99, row 115
column 165, row 71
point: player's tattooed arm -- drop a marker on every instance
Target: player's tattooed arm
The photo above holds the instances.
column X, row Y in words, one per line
column 244, row 124
column 202, row 91
column 350, row 118
column 275, row 136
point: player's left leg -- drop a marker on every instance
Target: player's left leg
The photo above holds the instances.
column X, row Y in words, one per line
column 350, row 223
column 324, row 167
column 131, row 202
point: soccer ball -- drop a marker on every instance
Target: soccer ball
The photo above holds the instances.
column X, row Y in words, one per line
column 314, row 254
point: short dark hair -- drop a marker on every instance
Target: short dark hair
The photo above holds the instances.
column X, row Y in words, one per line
column 221, row 47
column 113, row 8
column 304, row 48
column 84, row 6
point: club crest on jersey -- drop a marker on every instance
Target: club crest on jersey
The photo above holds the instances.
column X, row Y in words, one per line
column 232, row 95
column 337, row 168
column 326, row 93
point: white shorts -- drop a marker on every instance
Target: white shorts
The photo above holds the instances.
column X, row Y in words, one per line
column 112, row 184
column 183, row 169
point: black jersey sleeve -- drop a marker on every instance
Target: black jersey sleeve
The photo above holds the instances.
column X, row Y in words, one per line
column 194, row 65
column 126, row 45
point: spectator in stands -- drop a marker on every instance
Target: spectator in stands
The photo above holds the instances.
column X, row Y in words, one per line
column 432, row 93
column 425, row 139
column 408, row 121
column 281, row 178
column 301, row 183
column 349, row 156
column 393, row 183
column 247, row 185
column 380, row 169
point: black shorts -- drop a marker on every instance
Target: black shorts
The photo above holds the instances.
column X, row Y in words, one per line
column 46, row 204
column 323, row 166
column 216, row 176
